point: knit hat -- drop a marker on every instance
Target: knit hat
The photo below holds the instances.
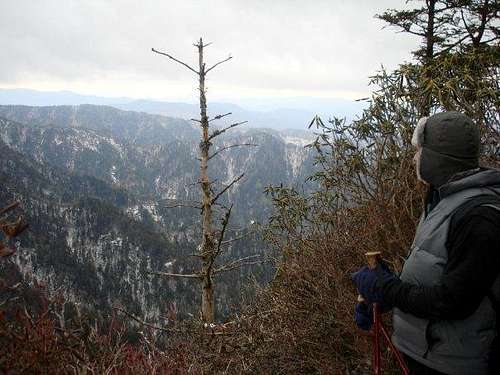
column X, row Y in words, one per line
column 450, row 144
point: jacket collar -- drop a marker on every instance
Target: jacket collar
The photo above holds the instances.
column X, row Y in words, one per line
column 474, row 178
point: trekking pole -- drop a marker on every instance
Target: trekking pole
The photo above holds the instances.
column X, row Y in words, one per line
column 378, row 328
column 372, row 260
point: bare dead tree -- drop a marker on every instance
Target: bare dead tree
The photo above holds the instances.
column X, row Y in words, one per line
column 213, row 239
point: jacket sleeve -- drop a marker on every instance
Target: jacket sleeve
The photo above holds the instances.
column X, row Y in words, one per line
column 473, row 265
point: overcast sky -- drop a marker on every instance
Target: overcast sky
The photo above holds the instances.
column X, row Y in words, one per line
column 280, row 48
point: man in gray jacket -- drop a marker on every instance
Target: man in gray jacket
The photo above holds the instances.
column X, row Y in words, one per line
column 446, row 298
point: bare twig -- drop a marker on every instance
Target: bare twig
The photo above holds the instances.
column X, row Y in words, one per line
column 237, row 264
column 218, row 117
column 188, row 204
column 218, row 204
column 214, row 199
column 183, row 205
column 218, row 132
column 142, row 322
column 228, row 147
column 220, row 62
column 8, row 208
column 225, row 221
column 176, row 60
column 226, row 242
column 216, row 253
column 179, row 275
column 203, row 45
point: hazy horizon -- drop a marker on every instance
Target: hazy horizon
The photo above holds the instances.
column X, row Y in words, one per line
column 281, row 50
column 275, row 113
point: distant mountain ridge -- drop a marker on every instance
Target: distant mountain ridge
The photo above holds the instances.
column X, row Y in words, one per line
column 152, row 155
column 274, row 113
column 134, row 127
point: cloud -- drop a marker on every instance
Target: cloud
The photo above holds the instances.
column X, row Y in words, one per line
column 280, row 46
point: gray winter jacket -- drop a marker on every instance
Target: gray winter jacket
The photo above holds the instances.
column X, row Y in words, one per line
column 458, row 346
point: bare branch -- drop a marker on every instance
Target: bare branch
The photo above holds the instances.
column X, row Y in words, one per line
column 221, row 205
column 246, row 261
column 220, row 62
column 193, row 119
column 218, row 117
column 176, row 60
column 226, row 242
column 214, row 199
column 236, row 265
column 202, row 45
column 183, row 205
column 219, row 132
column 216, row 253
column 188, row 204
column 228, row 147
column 179, row 275
column 142, row 322
column 225, row 221
column 8, row 208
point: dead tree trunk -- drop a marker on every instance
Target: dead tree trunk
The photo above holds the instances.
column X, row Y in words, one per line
column 210, row 247
column 207, row 244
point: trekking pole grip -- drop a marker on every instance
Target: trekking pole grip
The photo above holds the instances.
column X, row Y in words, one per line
column 372, row 259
